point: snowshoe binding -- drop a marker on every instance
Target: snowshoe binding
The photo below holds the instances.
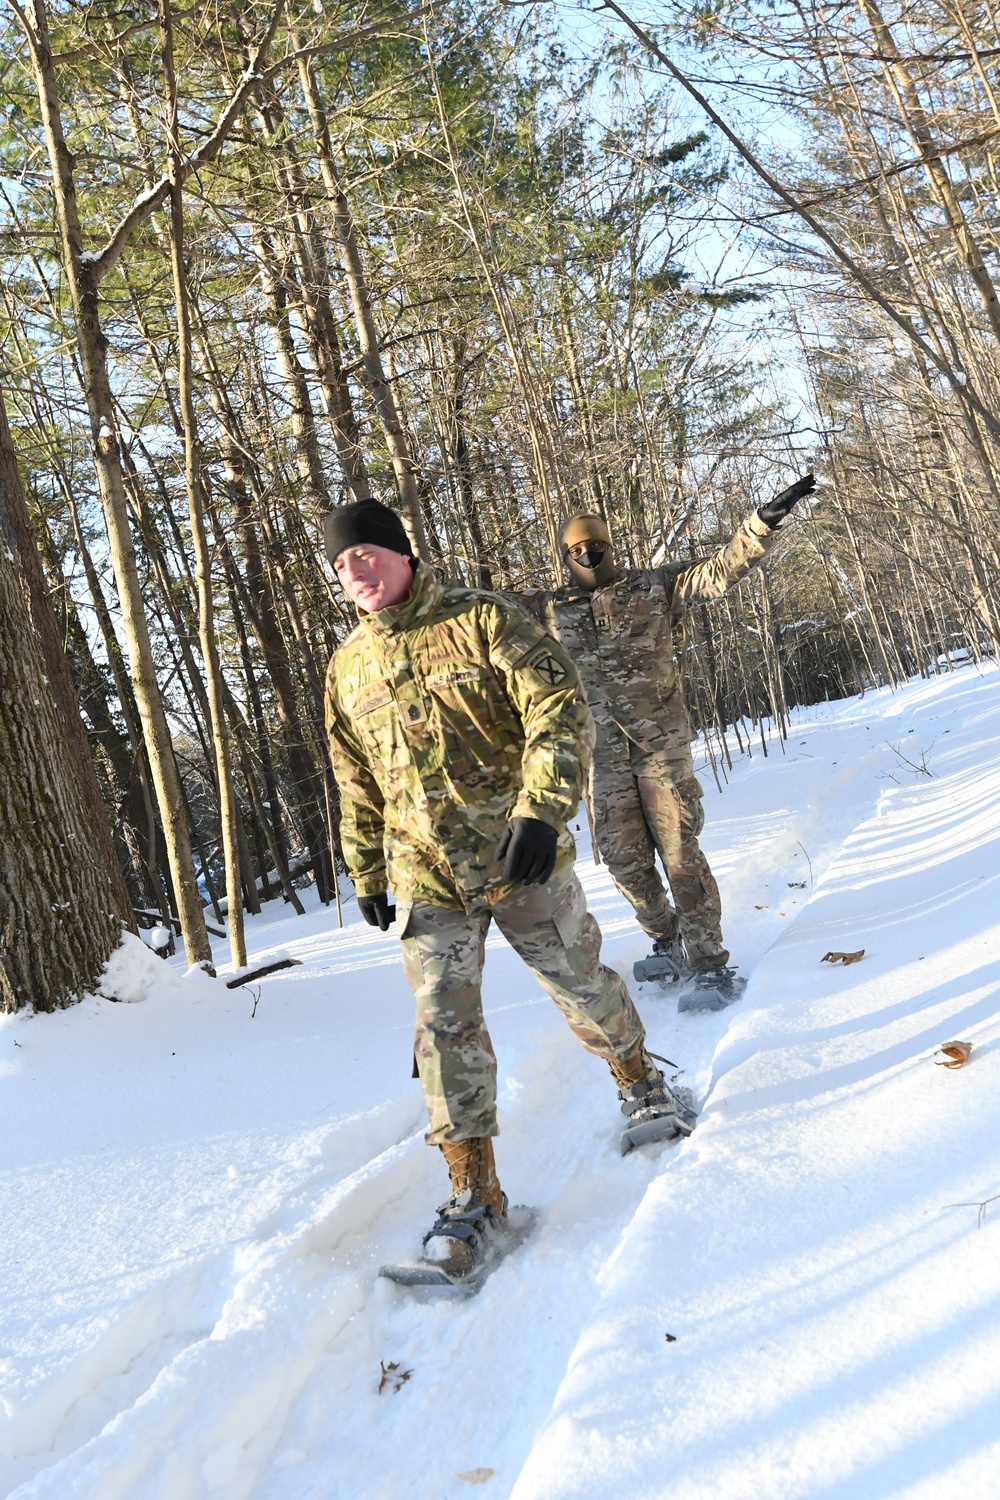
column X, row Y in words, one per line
column 473, row 1231
column 656, row 1112
column 466, row 1242
column 666, row 964
column 713, row 989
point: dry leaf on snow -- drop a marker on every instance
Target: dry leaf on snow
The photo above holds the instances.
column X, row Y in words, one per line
column 477, row 1476
column 796, row 885
column 953, row 1054
column 393, row 1378
column 843, row 958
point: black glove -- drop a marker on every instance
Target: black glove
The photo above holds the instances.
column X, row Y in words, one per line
column 775, row 511
column 376, row 910
column 528, row 851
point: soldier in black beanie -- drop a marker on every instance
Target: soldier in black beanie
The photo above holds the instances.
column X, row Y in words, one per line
column 366, row 521
column 459, row 736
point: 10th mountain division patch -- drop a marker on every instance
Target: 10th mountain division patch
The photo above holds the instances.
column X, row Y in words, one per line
column 548, row 667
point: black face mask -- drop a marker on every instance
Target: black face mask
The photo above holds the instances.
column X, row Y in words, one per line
column 593, row 569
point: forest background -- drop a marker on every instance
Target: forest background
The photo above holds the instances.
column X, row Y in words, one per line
column 489, row 264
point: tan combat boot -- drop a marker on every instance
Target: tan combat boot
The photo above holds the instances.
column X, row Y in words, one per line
column 639, row 1068
column 477, row 1204
column 472, row 1169
column 655, row 1112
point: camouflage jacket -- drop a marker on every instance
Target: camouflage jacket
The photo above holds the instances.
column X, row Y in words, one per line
column 621, row 638
column 447, row 715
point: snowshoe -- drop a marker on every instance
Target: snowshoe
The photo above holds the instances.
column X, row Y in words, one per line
column 656, row 1112
column 466, row 1242
column 713, row 989
column 667, row 963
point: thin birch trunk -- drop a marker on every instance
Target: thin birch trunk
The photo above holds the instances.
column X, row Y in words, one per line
column 81, row 271
column 221, row 747
column 371, row 356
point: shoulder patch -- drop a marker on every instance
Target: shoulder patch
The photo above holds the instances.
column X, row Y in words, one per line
column 547, row 666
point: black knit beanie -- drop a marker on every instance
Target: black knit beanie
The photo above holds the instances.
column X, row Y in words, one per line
column 366, row 521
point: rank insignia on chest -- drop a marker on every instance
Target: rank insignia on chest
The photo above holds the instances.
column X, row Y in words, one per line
column 411, row 709
column 548, row 667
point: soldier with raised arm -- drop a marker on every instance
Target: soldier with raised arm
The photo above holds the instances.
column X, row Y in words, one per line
column 459, row 737
column 617, row 624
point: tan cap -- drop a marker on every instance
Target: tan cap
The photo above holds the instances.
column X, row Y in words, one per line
column 584, row 527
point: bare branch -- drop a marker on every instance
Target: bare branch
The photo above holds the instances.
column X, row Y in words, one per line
column 957, row 381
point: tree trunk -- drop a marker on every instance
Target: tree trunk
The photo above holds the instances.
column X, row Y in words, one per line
column 371, row 356
column 82, row 277
column 15, row 532
column 60, row 916
column 221, row 745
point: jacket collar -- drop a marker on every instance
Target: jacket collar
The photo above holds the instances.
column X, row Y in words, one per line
column 420, row 603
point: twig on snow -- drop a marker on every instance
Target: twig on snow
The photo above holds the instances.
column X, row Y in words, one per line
column 922, row 767
column 809, row 862
column 980, row 1206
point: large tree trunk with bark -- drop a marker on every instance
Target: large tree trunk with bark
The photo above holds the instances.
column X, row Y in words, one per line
column 16, row 536
column 60, row 907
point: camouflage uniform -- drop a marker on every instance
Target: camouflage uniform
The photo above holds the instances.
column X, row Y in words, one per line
column 448, row 715
column 646, row 799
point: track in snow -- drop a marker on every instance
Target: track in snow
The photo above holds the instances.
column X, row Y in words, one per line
column 253, row 1372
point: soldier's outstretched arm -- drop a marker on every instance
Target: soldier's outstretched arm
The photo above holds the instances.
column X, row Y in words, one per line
column 708, row 580
column 543, row 685
column 362, row 808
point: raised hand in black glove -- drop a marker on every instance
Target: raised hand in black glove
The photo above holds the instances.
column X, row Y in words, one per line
column 775, row 511
column 376, row 910
column 528, row 851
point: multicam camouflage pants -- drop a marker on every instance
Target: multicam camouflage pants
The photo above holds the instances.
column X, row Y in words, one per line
column 648, row 803
column 443, row 951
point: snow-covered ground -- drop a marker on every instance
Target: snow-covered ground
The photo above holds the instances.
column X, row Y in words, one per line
column 197, row 1190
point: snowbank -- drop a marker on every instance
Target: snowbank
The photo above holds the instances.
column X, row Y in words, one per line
column 134, row 972
column 197, row 1191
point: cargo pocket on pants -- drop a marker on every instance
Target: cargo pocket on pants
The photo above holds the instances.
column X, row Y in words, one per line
column 572, row 922
column 692, row 813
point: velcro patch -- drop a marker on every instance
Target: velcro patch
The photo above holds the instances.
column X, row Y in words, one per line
column 457, row 674
column 413, row 711
column 546, row 665
column 374, row 697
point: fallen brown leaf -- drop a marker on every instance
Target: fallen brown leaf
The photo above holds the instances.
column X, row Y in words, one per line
column 477, row 1476
column 393, row 1378
column 953, row 1054
column 843, row 958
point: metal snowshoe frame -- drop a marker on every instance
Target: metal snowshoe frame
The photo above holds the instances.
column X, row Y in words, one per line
column 709, row 992
column 489, row 1238
column 675, row 1115
column 657, row 968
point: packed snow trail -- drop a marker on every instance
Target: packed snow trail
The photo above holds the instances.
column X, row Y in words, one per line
column 196, row 1200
